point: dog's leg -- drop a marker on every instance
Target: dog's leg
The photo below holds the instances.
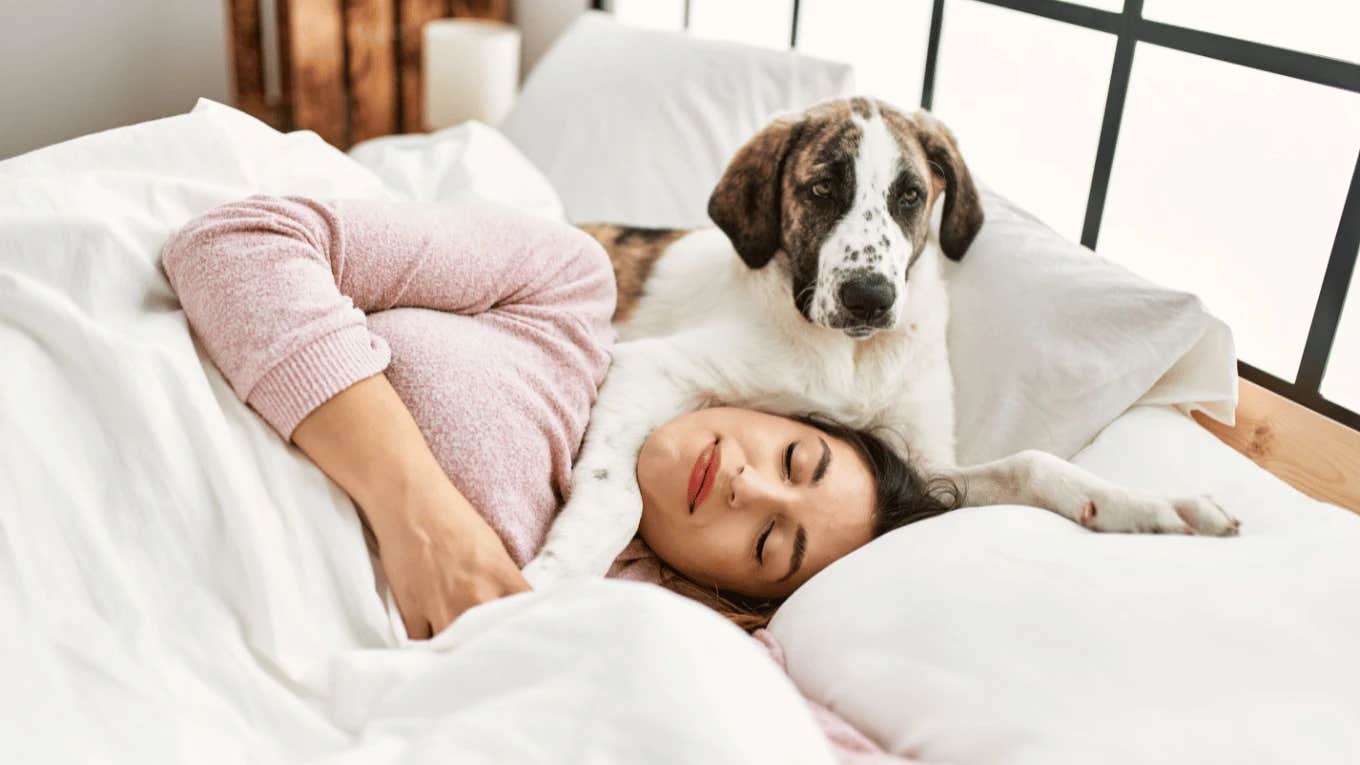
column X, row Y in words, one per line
column 1042, row 480
column 649, row 383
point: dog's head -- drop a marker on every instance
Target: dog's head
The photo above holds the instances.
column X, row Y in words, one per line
column 846, row 190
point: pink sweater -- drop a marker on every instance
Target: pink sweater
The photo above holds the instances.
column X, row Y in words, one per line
column 493, row 327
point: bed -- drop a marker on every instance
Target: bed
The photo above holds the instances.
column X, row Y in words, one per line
column 178, row 585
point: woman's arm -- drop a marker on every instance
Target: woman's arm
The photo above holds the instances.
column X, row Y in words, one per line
column 438, row 553
column 276, row 290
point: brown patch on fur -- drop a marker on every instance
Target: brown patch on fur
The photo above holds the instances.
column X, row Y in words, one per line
column 862, row 107
column 632, row 252
column 745, row 203
column 762, row 202
column 962, row 207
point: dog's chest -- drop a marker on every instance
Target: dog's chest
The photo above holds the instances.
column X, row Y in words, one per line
column 854, row 389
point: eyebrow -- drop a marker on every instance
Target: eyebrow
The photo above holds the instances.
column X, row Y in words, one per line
column 823, row 463
column 799, row 549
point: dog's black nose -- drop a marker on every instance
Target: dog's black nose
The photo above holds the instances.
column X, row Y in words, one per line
column 868, row 298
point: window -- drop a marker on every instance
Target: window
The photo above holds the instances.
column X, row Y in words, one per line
column 1229, row 182
column 1328, row 28
column 1025, row 96
column 653, row 14
column 755, row 22
column 1341, row 384
column 885, row 42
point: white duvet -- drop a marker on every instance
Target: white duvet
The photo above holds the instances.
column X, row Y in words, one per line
column 177, row 585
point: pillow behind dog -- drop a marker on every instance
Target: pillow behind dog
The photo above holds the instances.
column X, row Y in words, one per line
column 1049, row 342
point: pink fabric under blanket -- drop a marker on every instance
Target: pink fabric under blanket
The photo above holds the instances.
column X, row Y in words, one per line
column 492, row 326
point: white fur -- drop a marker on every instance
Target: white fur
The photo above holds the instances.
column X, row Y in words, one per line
column 711, row 330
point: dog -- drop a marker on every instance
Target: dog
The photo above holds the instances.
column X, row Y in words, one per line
column 820, row 289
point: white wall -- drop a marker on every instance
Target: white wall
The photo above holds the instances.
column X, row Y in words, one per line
column 70, row 67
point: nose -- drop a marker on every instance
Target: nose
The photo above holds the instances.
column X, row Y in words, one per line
column 868, row 297
column 749, row 489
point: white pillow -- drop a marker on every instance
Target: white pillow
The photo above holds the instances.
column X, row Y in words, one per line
column 1049, row 342
column 469, row 161
column 1008, row 634
column 635, row 126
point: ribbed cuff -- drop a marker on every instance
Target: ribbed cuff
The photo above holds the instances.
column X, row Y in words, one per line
column 314, row 374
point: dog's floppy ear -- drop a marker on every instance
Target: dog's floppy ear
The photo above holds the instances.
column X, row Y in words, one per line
column 962, row 208
column 745, row 203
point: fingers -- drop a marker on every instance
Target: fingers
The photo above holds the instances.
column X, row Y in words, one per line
column 417, row 627
column 442, row 618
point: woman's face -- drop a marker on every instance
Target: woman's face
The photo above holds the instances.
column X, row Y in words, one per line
column 751, row 502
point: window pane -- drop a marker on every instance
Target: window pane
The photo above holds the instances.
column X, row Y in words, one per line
column 754, row 22
column 654, row 14
column 1322, row 27
column 1342, row 381
column 1025, row 96
column 884, row 42
column 1229, row 182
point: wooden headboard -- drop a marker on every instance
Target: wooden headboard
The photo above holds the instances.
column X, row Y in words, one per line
column 349, row 69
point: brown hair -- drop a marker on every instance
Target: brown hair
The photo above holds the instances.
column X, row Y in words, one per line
column 901, row 496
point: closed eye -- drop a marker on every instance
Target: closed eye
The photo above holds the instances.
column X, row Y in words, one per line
column 760, row 542
column 788, row 461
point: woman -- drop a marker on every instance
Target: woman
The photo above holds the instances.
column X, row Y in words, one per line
column 439, row 363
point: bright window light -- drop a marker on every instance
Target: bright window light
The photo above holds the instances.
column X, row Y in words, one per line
column 884, row 41
column 1341, row 384
column 1229, row 182
column 653, row 14
column 755, row 22
column 1025, row 96
column 1328, row 28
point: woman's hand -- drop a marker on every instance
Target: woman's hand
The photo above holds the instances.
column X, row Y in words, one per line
column 440, row 556
column 441, row 559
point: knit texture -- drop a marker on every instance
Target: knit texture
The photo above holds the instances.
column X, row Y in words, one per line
column 493, row 327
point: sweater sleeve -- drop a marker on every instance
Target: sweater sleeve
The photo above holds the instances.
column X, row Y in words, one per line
column 277, row 288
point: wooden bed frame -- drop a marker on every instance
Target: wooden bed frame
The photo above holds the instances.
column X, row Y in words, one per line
column 1318, row 456
column 351, row 71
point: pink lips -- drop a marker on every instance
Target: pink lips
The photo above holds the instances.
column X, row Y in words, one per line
column 704, row 474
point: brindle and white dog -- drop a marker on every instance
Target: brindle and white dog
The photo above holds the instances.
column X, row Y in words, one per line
column 833, row 303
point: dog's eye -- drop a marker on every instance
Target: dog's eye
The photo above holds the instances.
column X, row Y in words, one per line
column 910, row 197
column 821, row 189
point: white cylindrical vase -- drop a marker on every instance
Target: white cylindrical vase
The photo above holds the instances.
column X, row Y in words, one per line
column 470, row 69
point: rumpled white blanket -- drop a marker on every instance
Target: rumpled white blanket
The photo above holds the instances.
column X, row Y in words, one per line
column 177, row 585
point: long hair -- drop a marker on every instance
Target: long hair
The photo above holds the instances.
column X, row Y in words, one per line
column 901, row 496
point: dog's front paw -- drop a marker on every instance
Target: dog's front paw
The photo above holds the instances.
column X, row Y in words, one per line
column 1205, row 517
column 1129, row 513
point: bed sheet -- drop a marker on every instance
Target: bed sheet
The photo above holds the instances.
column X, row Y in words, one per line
column 178, row 585
column 1010, row 635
